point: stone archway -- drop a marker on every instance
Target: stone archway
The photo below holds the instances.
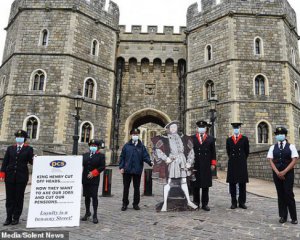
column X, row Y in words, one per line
column 145, row 116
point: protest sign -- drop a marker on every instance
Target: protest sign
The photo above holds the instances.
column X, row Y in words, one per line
column 55, row 192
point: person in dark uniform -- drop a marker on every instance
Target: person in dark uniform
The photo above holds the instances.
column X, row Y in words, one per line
column 283, row 156
column 131, row 165
column 14, row 172
column 93, row 165
column 205, row 162
column 237, row 147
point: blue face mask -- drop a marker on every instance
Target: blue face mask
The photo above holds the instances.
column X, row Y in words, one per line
column 135, row 138
column 93, row 149
column 20, row 140
column 236, row 131
column 201, row 130
column 280, row 137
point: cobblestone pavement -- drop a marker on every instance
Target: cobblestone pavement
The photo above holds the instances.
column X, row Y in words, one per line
column 259, row 221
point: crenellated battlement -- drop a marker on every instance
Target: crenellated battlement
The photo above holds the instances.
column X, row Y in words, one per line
column 213, row 9
column 93, row 8
column 152, row 29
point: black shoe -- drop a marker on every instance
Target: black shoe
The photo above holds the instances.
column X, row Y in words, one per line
column 7, row 222
column 206, row 208
column 86, row 216
column 136, row 207
column 95, row 219
column 282, row 220
column 294, row 221
column 242, row 205
column 15, row 222
column 233, row 206
column 124, row 208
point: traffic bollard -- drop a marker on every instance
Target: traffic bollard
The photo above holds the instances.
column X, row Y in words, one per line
column 148, row 182
column 107, row 176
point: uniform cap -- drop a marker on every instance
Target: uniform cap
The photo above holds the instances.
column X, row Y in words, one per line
column 94, row 142
column 135, row 131
column 281, row 130
column 201, row 123
column 236, row 124
column 21, row 133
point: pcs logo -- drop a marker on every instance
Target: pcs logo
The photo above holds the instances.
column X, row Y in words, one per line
column 58, row 164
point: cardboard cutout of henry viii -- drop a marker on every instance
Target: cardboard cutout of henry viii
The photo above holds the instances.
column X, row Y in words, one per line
column 173, row 156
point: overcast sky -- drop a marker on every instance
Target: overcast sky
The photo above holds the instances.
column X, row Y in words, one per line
column 137, row 12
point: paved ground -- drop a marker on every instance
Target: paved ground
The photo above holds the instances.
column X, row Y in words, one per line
column 259, row 221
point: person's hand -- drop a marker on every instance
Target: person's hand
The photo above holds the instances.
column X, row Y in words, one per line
column 280, row 175
column 168, row 160
column 90, row 175
column 122, row 170
column 212, row 167
column 2, row 179
column 188, row 165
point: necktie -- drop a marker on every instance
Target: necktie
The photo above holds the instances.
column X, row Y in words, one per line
column 281, row 145
column 201, row 138
column 91, row 155
column 18, row 149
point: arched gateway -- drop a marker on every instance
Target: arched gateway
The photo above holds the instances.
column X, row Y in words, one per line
column 148, row 119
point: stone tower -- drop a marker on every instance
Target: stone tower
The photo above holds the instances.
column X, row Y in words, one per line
column 53, row 48
column 246, row 53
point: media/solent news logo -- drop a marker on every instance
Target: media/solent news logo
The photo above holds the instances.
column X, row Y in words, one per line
column 58, row 163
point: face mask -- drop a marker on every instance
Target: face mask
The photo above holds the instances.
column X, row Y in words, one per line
column 201, row 130
column 236, row 131
column 93, row 149
column 280, row 137
column 20, row 140
column 135, row 138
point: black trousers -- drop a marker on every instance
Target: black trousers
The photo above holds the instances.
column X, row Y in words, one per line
column 242, row 193
column 136, row 185
column 286, row 197
column 204, row 196
column 14, row 199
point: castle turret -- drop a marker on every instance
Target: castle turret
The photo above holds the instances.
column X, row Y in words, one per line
column 53, row 48
column 246, row 53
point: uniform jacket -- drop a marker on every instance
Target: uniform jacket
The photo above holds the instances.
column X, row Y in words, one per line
column 205, row 156
column 237, row 152
column 14, row 167
column 94, row 164
column 133, row 157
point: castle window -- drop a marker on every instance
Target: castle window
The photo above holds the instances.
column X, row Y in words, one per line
column 258, row 46
column 297, row 92
column 145, row 65
column 157, row 65
column 208, row 53
column 95, row 48
column 38, row 80
column 260, row 85
column 293, row 56
column 132, row 65
column 169, row 65
column 44, row 37
column 263, row 132
column 209, row 89
column 86, row 132
column 31, row 125
column 89, row 88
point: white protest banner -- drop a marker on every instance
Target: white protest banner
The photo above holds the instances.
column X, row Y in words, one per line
column 55, row 192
